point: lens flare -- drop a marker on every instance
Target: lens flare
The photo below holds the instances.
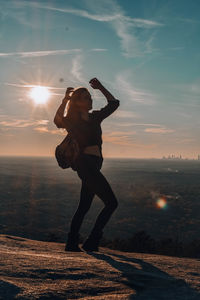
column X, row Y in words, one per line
column 161, row 203
column 40, row 94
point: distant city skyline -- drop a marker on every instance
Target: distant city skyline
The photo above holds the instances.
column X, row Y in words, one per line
column 179, row 157
column 146, row 53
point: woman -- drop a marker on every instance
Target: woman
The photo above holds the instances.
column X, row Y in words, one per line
column 86, row 128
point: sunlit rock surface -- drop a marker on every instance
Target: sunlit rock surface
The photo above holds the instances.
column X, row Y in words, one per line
column 42, row 270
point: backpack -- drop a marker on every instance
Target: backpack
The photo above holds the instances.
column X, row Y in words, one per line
column 67, row 152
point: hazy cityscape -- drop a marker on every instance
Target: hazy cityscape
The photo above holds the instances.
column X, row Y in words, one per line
column 180, row 157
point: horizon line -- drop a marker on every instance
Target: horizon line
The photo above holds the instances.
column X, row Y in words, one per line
column 105, row 157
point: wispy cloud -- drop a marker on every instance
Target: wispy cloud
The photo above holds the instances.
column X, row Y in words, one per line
column 123, row 133
column 122, row 24
column 73, row 11
column 186, row 141
column 142, row 23
column 132, row 93
column 127, row 124
column 126, row 139
column 114, row 8
column 38, row 53
column 118, row 139
column 44, row 129
column 124, row 27
column 193, row 87
column 9, row 123
column 126, row 114
column 36, row 125
column 176, row 48
column 99, row 49
column 77, row 67
column 189, row 93
column 17, row 123
column 158, row 130
column 30, row 85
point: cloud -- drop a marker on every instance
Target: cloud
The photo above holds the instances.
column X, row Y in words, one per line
column 142, row 23
column 30, row 86
column 138, row 124
column 41, row 129
column 186, row 141
column 118, row 13
column 39, row 53
column 158, row 130
column 129, row 42
column 122, row 133
column 7, row 123
column 189, row 93
column 44, row 129
column 42, row 122
column 76, row 69
column 73, row 11
column 132, row 93
column 19, row 123
column 126, row 114
column 175, row 48
column 119, row 137
column 123, row 25
column 146, row 124
column 119, row 140
column 189, row 88
column 99, row 49
column 125, row 139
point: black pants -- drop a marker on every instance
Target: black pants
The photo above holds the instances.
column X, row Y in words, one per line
column 93, row 182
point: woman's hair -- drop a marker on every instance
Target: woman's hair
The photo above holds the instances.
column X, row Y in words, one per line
column 73, row 110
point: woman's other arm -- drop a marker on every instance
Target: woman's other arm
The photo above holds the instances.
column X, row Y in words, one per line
column 112, row 104
column 96, row 84
column 58, row 119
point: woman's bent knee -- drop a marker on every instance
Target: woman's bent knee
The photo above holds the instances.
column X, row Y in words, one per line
column 115, row 205
column 112, row 205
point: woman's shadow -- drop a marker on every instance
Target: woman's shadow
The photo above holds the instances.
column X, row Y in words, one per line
column 146, row 280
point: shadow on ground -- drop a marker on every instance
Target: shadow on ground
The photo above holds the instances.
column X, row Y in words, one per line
column 146, row 280
column 8, row 290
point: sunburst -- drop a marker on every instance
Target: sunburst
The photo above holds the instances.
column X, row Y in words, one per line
column 40, row 94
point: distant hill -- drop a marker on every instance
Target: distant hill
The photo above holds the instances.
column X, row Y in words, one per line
column 32, row 269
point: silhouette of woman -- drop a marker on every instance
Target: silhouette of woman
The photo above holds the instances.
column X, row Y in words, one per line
column 87, row 131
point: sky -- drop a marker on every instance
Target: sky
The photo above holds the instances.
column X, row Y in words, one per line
column 146, row 53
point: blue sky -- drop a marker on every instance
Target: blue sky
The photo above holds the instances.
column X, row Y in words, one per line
column 145, row 52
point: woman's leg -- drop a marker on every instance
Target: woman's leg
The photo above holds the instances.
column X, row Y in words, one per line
column 86, row 198
column 97, row 184
column 103, row 190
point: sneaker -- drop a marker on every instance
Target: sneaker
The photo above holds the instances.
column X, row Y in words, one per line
column 92, row 242
column 72, row 243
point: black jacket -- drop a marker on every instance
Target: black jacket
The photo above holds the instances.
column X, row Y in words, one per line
column 89, row 132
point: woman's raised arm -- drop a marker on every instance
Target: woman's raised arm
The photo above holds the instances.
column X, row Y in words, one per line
column 112, row 104
column 58, row 119
column 96, row 84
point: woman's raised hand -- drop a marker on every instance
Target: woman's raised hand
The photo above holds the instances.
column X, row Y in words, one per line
column 68, row 91
column 95, row 83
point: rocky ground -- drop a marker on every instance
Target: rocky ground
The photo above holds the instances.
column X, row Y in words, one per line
column 32, row 269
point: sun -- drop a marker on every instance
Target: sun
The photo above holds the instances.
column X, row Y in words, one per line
column 40, row 94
